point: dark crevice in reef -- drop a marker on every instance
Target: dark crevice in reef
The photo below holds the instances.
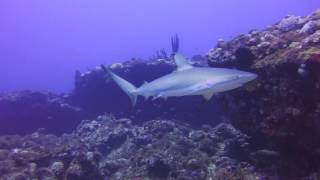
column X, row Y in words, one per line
column 272, row 129
column 244, row 58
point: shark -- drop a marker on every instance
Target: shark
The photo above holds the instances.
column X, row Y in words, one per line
column 186, row 80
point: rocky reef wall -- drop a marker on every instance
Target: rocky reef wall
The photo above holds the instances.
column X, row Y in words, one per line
column 281, row 109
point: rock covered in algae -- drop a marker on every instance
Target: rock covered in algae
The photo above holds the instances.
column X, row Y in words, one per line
column 281, row 108
column 109, row 148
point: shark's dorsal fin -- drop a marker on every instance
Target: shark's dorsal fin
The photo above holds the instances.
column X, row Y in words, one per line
column 144, row 83
column 181, row 62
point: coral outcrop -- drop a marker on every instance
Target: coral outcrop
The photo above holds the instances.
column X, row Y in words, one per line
column 281, row 109
column 109, row 148
column 26, row 111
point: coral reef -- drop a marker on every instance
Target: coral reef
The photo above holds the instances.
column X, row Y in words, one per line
column 26, row 111
column 109, row 148
column 281, row 109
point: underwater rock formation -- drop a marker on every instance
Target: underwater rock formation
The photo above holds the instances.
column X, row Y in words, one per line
column 26, row 111
column 281, row 109
column 109, row 148
column 96, row 93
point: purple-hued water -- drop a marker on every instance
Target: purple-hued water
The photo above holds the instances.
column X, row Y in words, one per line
column 42, row 43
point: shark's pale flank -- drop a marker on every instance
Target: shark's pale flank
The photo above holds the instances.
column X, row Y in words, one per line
column 187, row 80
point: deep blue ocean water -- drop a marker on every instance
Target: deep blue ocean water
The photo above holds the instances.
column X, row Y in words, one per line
column 42, row 43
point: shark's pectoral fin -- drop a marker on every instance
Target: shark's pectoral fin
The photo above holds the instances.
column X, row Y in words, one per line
column 159, row 95
column 146, row 97
column 207, row 96
column 181, row 62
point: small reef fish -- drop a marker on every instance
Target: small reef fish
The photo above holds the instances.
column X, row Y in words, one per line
column 186, row 80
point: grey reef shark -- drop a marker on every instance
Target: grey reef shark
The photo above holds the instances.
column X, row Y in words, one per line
column 186, row 80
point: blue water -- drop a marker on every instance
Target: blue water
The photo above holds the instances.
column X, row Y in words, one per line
column 42, row 43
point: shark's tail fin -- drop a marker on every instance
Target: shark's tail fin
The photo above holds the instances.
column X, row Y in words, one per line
column 126, row 86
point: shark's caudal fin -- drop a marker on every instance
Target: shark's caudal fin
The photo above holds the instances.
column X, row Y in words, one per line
column 126, row 86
